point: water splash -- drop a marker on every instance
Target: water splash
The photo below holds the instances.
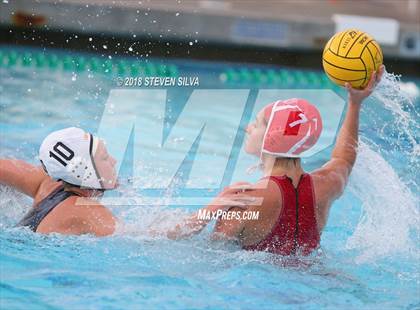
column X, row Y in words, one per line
column 389, row 223
column 389, row 210
column 13, row 206
column 405, row 115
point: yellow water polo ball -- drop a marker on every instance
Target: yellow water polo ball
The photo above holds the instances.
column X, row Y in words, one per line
column 351, row 56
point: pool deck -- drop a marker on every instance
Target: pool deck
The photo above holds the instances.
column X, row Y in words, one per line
column 303, row 25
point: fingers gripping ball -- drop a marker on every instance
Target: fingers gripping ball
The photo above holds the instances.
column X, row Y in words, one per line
column 351, row 56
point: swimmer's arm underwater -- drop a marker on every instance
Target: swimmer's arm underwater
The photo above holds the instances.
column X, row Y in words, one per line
column 23, row 176
column 195, row 223
column 190, row 226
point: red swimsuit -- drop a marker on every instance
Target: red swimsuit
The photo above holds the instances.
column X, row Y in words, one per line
column 296, row 229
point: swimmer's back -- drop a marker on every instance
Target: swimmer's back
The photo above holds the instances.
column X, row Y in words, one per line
column 326, row 187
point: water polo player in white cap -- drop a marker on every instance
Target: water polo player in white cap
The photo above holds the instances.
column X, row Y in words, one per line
column 75, row 164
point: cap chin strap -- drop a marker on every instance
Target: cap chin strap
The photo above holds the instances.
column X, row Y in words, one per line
column 95, row 142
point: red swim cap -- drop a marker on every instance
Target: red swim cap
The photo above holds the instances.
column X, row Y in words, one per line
column 293, row 126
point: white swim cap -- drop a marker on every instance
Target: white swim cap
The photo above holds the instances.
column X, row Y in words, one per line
column 67, row 155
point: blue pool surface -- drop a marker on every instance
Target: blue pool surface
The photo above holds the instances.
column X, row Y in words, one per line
column 369, row 256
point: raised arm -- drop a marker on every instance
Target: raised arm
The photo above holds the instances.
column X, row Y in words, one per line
column 25, row 177
column 335, row 173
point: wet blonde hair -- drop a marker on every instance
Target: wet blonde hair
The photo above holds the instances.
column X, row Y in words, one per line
column 287, row 162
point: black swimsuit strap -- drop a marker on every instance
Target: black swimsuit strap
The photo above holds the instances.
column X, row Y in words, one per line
column 35, row 216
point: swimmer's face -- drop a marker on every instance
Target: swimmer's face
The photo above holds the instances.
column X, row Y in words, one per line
column 105, row 164
column 255, row 135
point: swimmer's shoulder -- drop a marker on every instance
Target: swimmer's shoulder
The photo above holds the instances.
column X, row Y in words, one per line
column 81, row 215
column 328, row 185
column 265, row 190
column 329, row 181
column 268, row 205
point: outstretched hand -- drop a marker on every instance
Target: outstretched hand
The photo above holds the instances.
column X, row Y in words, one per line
column 358, row 95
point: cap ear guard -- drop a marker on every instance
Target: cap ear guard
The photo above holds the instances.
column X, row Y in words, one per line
column 82, row 170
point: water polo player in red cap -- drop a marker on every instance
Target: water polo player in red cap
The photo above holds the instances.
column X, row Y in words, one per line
column 295, row 204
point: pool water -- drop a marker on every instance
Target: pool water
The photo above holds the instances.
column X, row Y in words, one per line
column 369, row 250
